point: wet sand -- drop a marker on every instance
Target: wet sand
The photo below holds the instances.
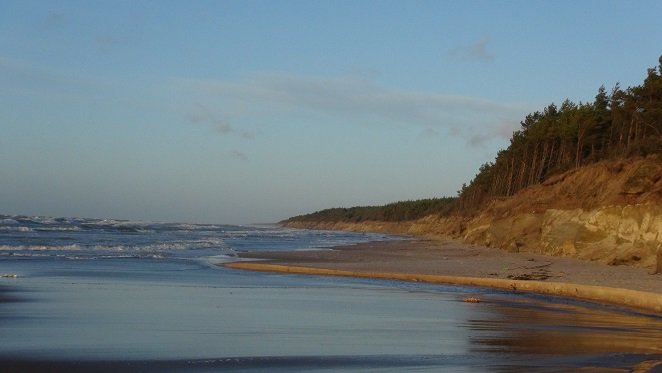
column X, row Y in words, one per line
column 155, row 315
column 457, row 263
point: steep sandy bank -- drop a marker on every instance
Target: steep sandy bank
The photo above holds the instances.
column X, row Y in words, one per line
column 610, row 212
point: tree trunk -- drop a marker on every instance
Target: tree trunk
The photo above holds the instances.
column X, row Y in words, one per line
column 580, row 145
column 511, row 176
column 534, row 160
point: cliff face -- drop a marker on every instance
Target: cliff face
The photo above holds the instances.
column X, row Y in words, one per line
column 628, row 234
column 609, row 212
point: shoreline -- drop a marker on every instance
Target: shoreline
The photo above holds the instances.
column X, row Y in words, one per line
column 454, row 263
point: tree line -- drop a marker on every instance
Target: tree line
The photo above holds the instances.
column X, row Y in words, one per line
column 393, row 212
column 617, row 124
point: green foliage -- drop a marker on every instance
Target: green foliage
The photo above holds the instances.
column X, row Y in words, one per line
column 622, row 124
column 395, row 212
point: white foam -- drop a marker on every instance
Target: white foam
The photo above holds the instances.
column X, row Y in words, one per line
column 16, row 229
column 71, row 247
column 60, row 229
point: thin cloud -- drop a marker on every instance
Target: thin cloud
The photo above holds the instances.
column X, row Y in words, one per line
column 201, row 114
column 106, row 41
column 429, row 132
column 478, row 139
column 503, row 129
column 25, row 77
column 507, row 127
column 236, row 154
column 349, row 99
column 224, row 128
column 341, row 94
column 478, row 51
column 54, row 18
column 250, row 135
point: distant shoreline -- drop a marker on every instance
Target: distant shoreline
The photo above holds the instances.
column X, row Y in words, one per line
column 451, row 262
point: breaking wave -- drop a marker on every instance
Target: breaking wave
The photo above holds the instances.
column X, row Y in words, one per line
column 81, row 238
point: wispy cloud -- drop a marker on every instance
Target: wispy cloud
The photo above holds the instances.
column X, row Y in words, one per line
column 28, row 78
column 236, row 154
column 106, row 41
column 202, row 114
column 54, row 18
column 503, row 129
column 243, row 108
column 429, row 132
column 250, row 135
column 356, row 99
column 478, row 51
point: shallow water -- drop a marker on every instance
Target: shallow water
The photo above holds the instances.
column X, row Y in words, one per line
column 130, row 314
column 107, row 295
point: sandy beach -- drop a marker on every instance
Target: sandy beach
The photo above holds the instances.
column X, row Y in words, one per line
column 182, row 312
column 457, row 263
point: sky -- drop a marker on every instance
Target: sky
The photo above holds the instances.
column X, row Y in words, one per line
column 239, row 112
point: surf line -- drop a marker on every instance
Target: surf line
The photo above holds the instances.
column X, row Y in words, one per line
column 641, row 300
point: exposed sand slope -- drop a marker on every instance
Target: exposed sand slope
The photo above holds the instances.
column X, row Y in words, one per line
column 610, row 212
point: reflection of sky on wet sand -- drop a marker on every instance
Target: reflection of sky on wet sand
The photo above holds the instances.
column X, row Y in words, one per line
column 169, row 313
column 535, row 326
column 127, row 309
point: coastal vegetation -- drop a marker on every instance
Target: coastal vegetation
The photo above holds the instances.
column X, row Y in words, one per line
column 619, row 124
column 623, row 123
column 392, row 212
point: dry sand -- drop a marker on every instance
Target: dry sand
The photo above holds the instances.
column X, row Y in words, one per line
column 457, row 263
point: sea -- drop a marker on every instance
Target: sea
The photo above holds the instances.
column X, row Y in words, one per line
column 81, row 294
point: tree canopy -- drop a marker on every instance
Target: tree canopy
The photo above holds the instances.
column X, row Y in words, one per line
column 618, row 124
column 397, row 211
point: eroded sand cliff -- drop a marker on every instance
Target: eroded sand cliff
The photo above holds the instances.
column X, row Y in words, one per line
column 610, row 212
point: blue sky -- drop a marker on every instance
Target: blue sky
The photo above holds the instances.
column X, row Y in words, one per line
column 254, row 111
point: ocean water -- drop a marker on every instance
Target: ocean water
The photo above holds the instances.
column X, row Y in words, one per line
column 112, row 295
column 79, row 238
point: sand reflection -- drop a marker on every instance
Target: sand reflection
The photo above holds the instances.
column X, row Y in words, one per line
column 541, row 327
